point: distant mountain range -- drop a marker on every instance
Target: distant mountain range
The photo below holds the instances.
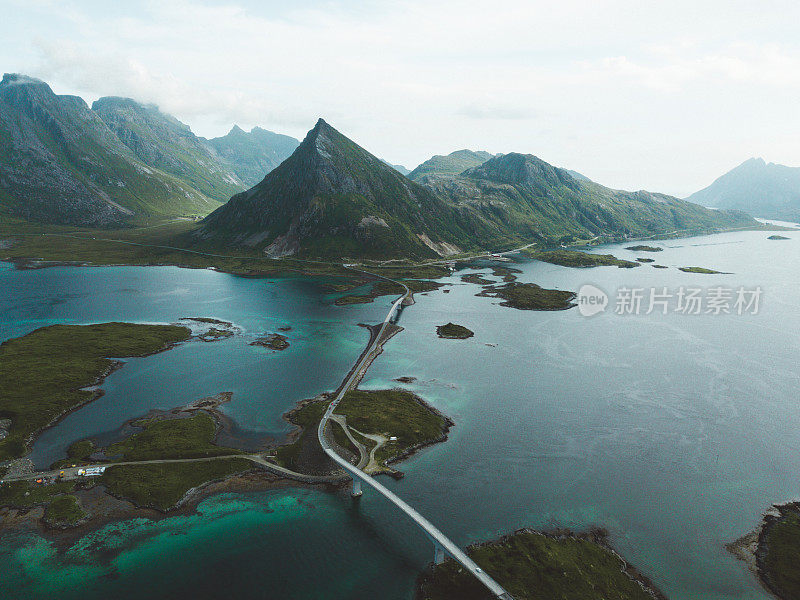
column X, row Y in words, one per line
column 122, row 163
column 762, row 189
column 451, row 164
column 399, row 168
column 117, row 163
column 332, row 198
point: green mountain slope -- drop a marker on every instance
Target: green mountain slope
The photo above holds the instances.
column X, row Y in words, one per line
column 163, row 142
column 332, row 198
column 518, row 197
column 453, row 163
column 762, row 189
column 252, row 155
column 60, row 163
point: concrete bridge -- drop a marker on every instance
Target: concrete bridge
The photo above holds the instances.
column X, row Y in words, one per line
column 442, row 545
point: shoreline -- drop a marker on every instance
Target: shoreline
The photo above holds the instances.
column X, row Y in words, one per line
column 594, row 535
column 752, row 547
column 113, row 509
column 93, row 387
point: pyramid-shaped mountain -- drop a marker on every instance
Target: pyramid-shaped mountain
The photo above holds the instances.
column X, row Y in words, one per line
column 332, row 198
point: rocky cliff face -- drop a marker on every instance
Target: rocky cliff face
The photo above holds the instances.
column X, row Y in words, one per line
column 162, row 141
column 333, row 198
column 62, row 164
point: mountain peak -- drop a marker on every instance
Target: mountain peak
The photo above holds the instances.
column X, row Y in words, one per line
column 10, row 79
column 524, row 169
column 236, row 130
column 332, row 197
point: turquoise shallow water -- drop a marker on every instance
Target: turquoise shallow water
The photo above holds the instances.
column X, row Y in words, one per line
column 675, row 432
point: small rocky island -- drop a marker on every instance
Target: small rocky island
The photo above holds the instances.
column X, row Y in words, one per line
column 532, row 565
column 778, row 237
column 451, row 331
column 644, row 248
column 702, row 270
column 529, row 296
column 273, row 341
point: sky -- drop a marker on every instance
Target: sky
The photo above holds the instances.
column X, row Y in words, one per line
column 635, row 94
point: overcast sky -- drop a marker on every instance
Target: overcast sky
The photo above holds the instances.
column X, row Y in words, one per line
column 635, row 94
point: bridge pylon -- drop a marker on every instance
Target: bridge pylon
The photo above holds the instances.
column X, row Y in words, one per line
column 356, row 491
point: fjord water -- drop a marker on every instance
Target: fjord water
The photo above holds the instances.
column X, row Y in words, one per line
column 674, row 432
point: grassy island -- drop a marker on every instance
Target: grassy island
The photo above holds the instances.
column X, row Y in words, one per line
column 191, row 437
column 406, row 421
column 529, row 296
column 778, row 237
column 42, row 373
column 182, row 434
column 537, row 566
column 387, row 288
column 773, row 551
column 702, row 270
column 451, row 331
column 394, row 422
column 581, row 260
column 644, row 248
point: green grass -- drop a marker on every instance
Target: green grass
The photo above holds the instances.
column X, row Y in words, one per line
column 702, row 270
column 64, row 510
column 162, row 486
column 454, row 332
column 24, row 494
column 529, row 296
column 387, row 412
column 341, row 438
column 41, row 372
column 169, row 242
column 171, row 438
column 580, row 260
column 532, row 566
column 782, row 556
column 476, row 278
column 77, row 453
column 392, row 413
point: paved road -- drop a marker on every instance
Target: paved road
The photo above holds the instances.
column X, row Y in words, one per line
column 437, row 537
column 71, row 473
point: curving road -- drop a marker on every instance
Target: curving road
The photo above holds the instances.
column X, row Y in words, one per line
column 441, row 542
